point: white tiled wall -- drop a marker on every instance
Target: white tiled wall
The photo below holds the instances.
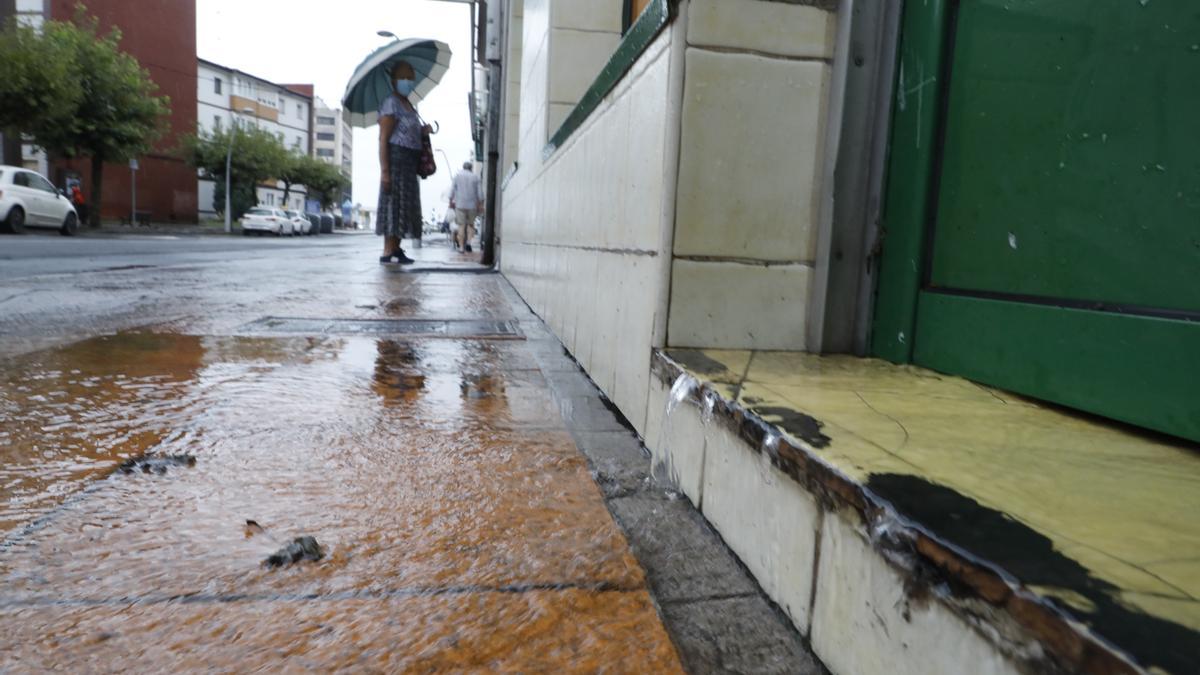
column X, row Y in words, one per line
column 738, row 305
column 750, row 173
column 768, row 27
column 578, row 58
column 584, row 231
column 749, row 164
column 512, row 91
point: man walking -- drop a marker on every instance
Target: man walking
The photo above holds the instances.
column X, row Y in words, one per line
column 466, row 198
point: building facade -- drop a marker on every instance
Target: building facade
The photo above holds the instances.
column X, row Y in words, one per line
column 697, row 193
column 161, row 35
column 227, row 96
column 333, row 140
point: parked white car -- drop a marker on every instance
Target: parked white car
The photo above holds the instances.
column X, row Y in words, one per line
column 266, row 220
column 27, row 199
column 300, row 224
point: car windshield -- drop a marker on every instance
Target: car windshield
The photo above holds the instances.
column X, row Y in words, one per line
column 260, row 212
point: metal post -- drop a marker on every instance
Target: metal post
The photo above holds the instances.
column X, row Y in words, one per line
column 228, row 164
column 495, row 22
column 133, row 167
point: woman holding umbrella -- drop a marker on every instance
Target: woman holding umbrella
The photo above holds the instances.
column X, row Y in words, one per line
column 400, row 130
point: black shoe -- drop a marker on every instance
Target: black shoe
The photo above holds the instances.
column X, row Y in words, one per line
column 385, row 258
column 403, row 259
column 467, row 248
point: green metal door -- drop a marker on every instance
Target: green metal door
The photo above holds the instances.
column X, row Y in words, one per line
column 1042, row 232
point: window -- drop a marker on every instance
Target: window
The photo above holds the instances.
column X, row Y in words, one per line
column 217, row 85
column 296, row 143
column 299, row 111
column 324, row 152
column 21, row 179
column 280, row 135
column 36, row 181
column 217, row 122
column 327, row 121
column 325, row 136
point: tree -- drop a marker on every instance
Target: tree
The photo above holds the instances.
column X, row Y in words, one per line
column 257, row 157
column 300, row 169
column 35, row 80
column 109, row 110
column 327, row 184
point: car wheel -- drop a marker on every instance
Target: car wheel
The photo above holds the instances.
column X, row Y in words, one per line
column 16, row 220
column 245, row 233
column 70, row 225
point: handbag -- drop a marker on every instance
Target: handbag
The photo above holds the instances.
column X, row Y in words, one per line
column 426, row 166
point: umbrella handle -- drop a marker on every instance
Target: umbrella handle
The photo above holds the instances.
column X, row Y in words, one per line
column 436, row 127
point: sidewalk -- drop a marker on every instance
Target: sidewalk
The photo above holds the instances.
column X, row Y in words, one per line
column 478, row 504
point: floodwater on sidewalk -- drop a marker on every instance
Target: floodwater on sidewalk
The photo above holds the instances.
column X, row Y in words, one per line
column 459, row 525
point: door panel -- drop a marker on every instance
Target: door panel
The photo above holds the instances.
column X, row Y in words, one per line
column 35, row 205
column 1071, row 158
column 1137, row 370
column 1052, row 226
column 52, row 207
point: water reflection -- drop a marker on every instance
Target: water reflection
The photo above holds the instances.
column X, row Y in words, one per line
column 460, row 524
column 397, row 379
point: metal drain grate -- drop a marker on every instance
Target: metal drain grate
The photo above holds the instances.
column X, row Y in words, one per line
column 466, row 329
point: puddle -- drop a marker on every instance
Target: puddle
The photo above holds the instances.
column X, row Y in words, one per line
column 435, row 474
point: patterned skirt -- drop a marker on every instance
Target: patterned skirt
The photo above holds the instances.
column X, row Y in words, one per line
column 399, row 212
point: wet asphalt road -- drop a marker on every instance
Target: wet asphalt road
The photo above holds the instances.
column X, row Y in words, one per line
column 41, row 254
column 463, row 488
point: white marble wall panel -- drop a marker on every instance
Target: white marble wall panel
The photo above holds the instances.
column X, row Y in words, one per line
column 864, row 623
column 769, row 521
column 782, row 28
column 734, row 305
column 588, row 15
column 751, row 157
column 576, row 59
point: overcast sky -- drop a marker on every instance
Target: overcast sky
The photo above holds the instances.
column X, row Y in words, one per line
column 322, row 41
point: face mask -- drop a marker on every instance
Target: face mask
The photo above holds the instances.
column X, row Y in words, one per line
column 404, row 87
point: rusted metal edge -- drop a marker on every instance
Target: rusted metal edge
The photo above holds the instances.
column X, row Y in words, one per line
column 1068, row 644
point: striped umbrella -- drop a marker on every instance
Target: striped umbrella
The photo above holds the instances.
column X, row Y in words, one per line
column 372, row 80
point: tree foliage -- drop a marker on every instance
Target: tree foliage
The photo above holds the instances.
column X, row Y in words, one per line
column 73, row 91
column 301, row 169
column 327, row 184
column 258, row 157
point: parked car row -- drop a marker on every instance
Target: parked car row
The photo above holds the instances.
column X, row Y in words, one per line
column 27, row 199
column 262, row 220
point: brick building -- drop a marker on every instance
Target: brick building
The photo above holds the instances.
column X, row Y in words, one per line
column 161, row 35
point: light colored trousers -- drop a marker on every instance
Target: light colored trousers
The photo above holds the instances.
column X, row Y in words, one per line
column 466, row 225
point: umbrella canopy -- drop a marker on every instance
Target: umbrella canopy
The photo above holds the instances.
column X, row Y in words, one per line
column 372, row 80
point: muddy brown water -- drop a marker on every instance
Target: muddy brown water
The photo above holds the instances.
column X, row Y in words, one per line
column 460, row 527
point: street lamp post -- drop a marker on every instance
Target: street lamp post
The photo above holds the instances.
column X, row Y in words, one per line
column 228, row 167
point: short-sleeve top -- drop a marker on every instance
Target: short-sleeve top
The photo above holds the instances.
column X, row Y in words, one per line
column 407, row 133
